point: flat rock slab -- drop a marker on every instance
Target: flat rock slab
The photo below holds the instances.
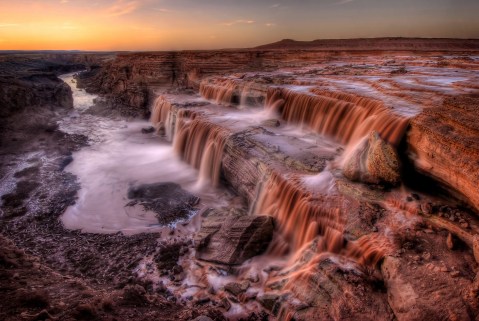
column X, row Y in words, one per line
column 168, row 200
column 231, row 236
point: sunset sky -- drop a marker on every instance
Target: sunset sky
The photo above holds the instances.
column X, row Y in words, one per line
column 209, row 24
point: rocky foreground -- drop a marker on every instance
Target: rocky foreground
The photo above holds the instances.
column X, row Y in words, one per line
column 356, row 174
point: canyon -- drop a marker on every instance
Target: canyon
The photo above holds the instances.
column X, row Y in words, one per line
column 330, row 180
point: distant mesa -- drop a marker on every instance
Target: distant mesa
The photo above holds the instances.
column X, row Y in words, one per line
column 389, row 43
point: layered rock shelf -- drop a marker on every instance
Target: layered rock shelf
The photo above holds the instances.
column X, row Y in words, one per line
column 342, row 183
column 296, row 177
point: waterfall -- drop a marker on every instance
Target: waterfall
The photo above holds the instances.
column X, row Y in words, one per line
column 200, row 143
column 302, row 215
column 345, row 117
column 162, row 117
column 222, row 91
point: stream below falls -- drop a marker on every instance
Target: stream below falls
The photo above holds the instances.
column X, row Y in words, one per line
column 119, row 156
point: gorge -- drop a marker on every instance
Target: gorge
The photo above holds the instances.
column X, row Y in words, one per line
column 332, row 180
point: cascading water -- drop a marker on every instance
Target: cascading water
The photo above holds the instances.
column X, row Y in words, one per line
column 120, row 156
column 162, row 118
column 220, row 91
column 200, row 143
column 302, row 215
column 347, row 118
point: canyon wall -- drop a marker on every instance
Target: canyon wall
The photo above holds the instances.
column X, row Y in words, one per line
column 30, row 79
column 133, row 79
column 35, row 90
column 443, row 143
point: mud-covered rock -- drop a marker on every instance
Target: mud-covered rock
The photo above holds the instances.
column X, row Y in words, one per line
column 419, row 295
column 232, row 236
column 373, row 161
column 333, row 289
column 268, row 300
column 168, row 200
column 168, row 255
column 236, row 288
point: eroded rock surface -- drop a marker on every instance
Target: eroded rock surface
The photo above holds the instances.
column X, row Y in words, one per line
column 411, row 297
column 444, row 145
column 231, row 237
column 357, row 251
column 373, row 161
column 168, row 200
column 33, row 90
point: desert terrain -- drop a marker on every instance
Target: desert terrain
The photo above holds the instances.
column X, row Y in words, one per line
column 323, row 180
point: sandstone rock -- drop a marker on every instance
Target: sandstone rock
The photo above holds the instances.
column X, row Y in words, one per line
column 232, row 236
column 268, row 300
column 237, row 288
column 450, row 242
column 225, row 303
column 443, row 145
column 168, row 200
column 373, row 161
column 411, row 300
column 331, row 291
column 475, row 247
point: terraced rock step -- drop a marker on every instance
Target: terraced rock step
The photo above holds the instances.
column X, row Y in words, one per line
column 443, row 144
column 332, row 185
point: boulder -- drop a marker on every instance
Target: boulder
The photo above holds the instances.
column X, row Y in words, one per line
column 373, row 161
column 236, row 288
column 148, row 130
column 168, row 200
column 231, row 236
column 268, row 300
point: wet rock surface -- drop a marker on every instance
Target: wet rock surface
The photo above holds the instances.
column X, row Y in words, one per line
column 356, row 251
column 232, row 237
column 60, row 273
column 373, row 161
column 168, row 200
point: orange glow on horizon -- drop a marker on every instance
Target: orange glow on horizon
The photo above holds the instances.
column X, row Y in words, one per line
column 166, row 24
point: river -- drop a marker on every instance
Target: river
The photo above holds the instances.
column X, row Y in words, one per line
column 119, row 156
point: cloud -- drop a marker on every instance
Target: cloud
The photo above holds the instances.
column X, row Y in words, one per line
column 276, row 5
column 236, row 22
column 8, row 25
column 121, row 8
column 64, row 1
column 343, row 2
column 163, row 10
column 270, row 24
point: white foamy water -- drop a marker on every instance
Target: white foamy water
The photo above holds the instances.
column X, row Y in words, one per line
column 81, row 99
column 323, row 182
column 118, row 157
